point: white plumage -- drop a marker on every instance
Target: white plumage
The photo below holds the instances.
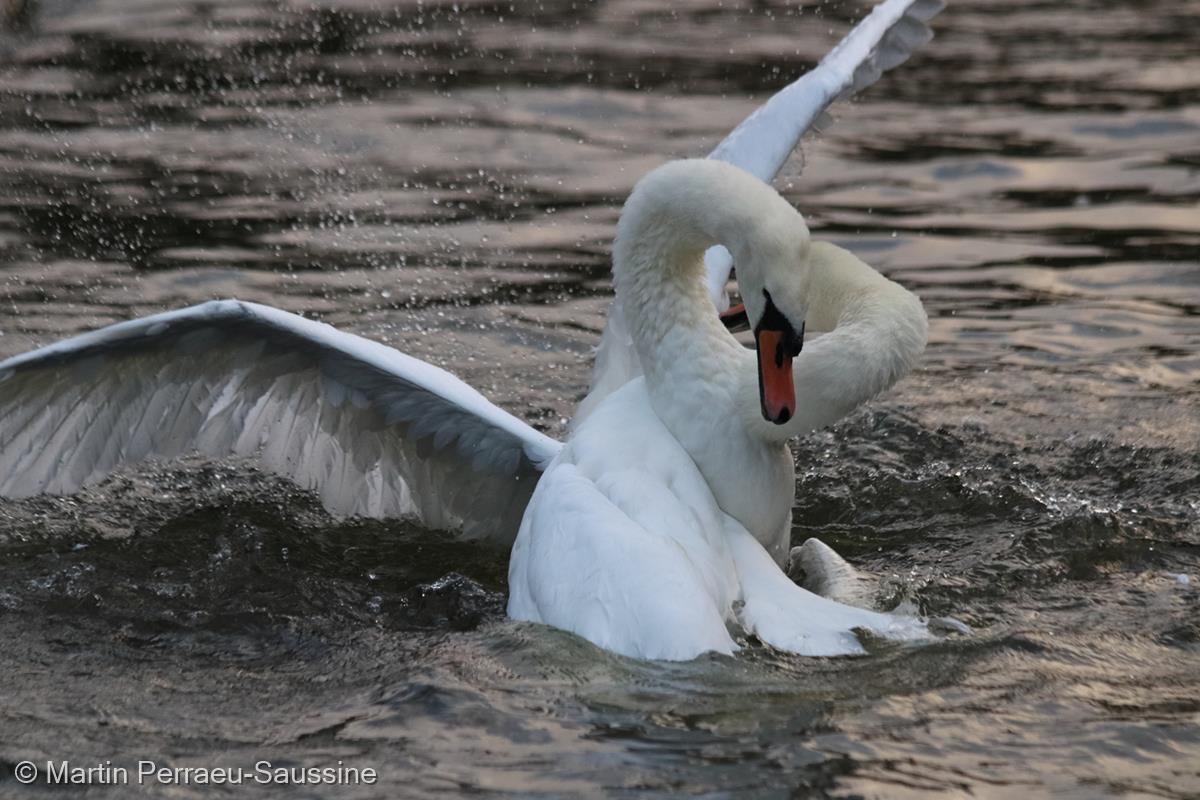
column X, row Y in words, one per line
column 667, row 514
column 375, row 432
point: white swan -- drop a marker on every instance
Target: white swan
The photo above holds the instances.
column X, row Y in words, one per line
column 379, row 433
column 648, row 534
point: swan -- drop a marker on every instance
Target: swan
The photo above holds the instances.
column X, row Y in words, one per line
column 647, row 534
column 643, row 532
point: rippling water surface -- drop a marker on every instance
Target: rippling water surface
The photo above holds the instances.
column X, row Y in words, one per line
column 445, row 178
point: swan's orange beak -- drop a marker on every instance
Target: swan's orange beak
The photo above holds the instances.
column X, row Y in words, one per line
column 775, row 389
column 778, row 343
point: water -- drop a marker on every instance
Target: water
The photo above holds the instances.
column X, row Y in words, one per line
column 445, row 178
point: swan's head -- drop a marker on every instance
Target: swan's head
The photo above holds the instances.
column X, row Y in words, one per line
column 679, row 210
column 774, row 278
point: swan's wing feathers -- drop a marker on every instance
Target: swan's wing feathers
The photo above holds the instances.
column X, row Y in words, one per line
column 899, row 41
column 375, row 432
column 884, row 39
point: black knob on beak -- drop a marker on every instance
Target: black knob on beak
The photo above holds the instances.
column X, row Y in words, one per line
column 791, row 341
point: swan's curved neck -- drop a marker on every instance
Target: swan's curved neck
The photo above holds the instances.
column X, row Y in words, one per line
column 698, row 375
column 872, row 330
column 672, row 217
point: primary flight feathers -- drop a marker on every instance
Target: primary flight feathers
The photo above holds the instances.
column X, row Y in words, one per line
column 375, row 432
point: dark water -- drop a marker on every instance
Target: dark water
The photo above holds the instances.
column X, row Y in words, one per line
column 445, row 178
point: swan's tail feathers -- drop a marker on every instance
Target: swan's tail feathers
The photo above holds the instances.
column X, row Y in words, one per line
column 829, row 575
column 374, row 432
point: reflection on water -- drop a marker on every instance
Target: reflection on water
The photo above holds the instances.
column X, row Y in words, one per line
column 445, row 177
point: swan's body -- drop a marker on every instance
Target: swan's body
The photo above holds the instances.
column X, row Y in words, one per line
column 648, row 534
column 625, row 544
column 664, row 519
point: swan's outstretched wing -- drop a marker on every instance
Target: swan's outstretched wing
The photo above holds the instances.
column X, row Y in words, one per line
column 885, row 38
column 761, row 144
column 375, row 432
